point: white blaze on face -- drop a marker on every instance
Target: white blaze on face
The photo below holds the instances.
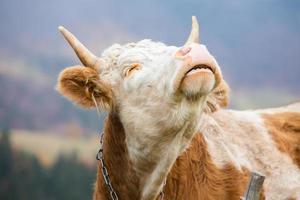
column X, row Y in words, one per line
column 154, row 60
column 163, row 71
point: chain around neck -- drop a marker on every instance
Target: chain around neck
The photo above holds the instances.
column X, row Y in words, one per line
column 100, row 157
column 112, row 192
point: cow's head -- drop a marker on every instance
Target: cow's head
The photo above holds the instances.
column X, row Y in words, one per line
column 145, row 75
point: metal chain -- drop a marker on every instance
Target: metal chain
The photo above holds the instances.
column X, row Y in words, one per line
column 100, row 157
column 113, row 194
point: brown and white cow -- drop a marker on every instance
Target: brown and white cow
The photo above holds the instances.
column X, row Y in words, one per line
column 166, row 121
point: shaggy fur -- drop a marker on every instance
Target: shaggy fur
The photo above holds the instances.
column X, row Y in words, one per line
column 219, row 98
column 197, row 174
column 80, row 84
column 194, row 175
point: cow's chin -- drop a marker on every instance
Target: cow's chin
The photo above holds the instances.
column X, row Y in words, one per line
column 198, row 84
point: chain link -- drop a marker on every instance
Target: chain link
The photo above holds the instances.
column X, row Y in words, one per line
column 100, row 157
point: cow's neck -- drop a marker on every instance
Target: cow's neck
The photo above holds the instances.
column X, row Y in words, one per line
column 122, row 176
column 155, row 138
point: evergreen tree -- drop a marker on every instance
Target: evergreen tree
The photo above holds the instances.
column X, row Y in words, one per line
column 6, row 166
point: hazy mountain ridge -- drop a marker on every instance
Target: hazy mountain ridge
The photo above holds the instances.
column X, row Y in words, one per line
column 256, row 43
column 27, row 106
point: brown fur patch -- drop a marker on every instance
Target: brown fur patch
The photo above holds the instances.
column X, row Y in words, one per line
column 194, row 176
column 123, row 178
column 80, row 84
column 285, row 130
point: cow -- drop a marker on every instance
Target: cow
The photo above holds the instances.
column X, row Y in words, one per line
column 168, row 134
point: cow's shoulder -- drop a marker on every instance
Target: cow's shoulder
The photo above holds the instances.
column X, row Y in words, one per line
column 195, row 175
column 267, row 141
column 293, row 107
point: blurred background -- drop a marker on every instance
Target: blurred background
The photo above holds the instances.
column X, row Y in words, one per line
column 48, row 146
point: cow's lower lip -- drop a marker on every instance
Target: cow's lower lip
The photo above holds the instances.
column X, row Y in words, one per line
column 198, row 70
column 193, row 75
column 198, row 80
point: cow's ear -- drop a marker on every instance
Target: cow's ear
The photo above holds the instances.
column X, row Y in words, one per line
column 218, row 98
column 83, row 86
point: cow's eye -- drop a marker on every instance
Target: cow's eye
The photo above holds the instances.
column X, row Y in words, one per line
column 131, row 68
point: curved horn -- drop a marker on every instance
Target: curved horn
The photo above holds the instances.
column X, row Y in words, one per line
column 87, row 58
column 194, row 35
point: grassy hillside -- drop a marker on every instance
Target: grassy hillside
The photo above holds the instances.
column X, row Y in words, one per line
column 47, row 147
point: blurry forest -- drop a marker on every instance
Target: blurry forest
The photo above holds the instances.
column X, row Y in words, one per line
column 256, row 43
column 22, row 176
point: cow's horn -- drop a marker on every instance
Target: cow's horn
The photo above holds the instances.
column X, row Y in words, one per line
column 194, row 35
column 87, row 58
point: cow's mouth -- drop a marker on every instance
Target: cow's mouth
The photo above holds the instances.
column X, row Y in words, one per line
column 198, row 80
column 199, row 68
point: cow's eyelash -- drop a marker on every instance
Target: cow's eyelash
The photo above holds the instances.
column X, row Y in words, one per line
column 131, row 68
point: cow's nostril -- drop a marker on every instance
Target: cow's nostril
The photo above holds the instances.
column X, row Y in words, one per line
column 183, row 51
